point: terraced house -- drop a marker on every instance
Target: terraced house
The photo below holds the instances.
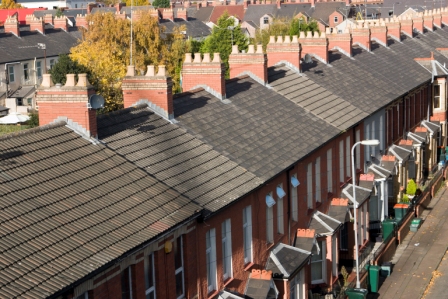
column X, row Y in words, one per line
column 233, row 188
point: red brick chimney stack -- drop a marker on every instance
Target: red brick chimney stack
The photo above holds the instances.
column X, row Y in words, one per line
column 315, row 45
column 361, row 36
column 254, row 63
column 154, row 89
column 168, row 14
column 407, row 26
column 48, row 19
column 378, row 32
column 182, row 13
column 393, row 28
column 81, row 21
column 69, row 103
column 437, row 17
column 12, row 25
column 340, row 41
column 90, row 6
column 444, row 14
column 36, row 23
column 428, row 20
column 61, row 23
column 418, row 22
column 286, row 51
column 246, row 4
column 206, row 73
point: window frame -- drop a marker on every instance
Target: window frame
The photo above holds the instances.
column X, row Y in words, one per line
column 294, row 202
column 11, row 75
column 179, row 246
column 210, row 256
column 226, row 229
column 280, row 214
column 247, row 235
column 39, row 69
column 341, row 161
column 436, row 98
column 126, row 277
column 26, row 74
column 330, row 170
column 336, row 19
column 309, row 185
column 323, row 252
column 270, row 223
column 150, row 266
column 265, row 20
column 317, row 177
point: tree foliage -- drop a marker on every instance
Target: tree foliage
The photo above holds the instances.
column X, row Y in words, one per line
column 65, row 65
column 283, row 27
column 136, row 2
column 222, row 37
column 8, row 4
column 161, row 3
column 105, row 52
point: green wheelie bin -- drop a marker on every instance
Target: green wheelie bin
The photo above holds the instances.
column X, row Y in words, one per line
column 356, row 293
column 374, row 278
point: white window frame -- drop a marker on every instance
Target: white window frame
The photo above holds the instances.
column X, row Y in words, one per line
column 347, row 156
column 280, row 219
column 26, row 72
column 128, row 272
column 270, row 223
column 265, row 20
column 247, row 234
column 322, row 245
column 180, row 270
column 297, row 285
column 330, row 170
column 336, row 19
column 436, row 97
column 334, row 255
column 11, row 74
column 317, row 176
column 358, row 149
column 341, row 161
column 210, row 253
column 364, row 208
column 294, row 202
column 39, row 69
column 226, row 230
column 52, row 63
column 150, row 290
column 309, row 185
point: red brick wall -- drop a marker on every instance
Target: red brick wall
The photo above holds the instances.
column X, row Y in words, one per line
column 332, row 16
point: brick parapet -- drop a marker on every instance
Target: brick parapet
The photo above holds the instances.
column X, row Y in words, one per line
column 279, row 50
column 252, row 62
column 315, row 45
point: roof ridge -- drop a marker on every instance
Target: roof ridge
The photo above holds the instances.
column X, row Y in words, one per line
column 33, row 130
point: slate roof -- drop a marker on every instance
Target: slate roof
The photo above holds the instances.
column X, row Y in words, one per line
column 314, row 98
column 69, row 207
column 323, row 224
column 73, row 12
column 290, row 10
column 401, row 152
column 255, row 12
column 195, row 28
column 23, row 92
column 305, row 243
column 381, row 172
column 417, row 137
column 286, row 260
column 204, row 13
column 3, row 108
column 362, row 194
column 432, row 126
column 176, row 157
column 340, row 213
column 260, row 130
column 24, row 48
column 323, row 10
column 259, row 289
column 381, row 83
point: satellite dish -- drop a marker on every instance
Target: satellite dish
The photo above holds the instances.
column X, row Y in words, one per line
column 307, row 58
column 96, row 101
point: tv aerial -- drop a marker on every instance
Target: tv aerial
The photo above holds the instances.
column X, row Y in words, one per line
column 96, row 101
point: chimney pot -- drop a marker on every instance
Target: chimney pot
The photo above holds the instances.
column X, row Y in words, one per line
column 188, row 58
column 82, row 80
column 287, row 39
column 272, row 39
column 235, row 49
column 302, row 34
column 70, row 80
column 197, row 58
column 130, row 71
column 162, row 71
column 151, row 71
column 206, row 57
column 294, row 39
column 251, row 49
column 259, row 49
column 279, row 39
column 216, row 57
column 46, row 80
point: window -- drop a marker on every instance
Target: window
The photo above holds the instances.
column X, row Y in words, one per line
column 341, row 161
column 329, row 171
column 19, row 102
column 210, row 254
column 150, row 277
column 317, row 176
column 30, row 101
column 364, row 208
column 318, row 261
column 126, row 283
column 294, row 198
column 179, row 266
column 343, row 244
column 85, row 295
column 269, row 224
column 39, row 68
column 336, row 20
column 309, row 185
column 367, row 137
column 358, row 150
column 247, row 234
column 226, row 249
column 334, row 255
column 297, row 286
column 280, row 228
column 11, row 73
column 436, row 96
column 26, row 75
column 265, row 20
column 76, row 5
column 51, row 63
column 347, row 157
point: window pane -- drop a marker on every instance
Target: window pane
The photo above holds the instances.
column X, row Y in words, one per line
column 436, row 90
column 125, row 285
column 316, row 271
column 179, row 284
column 150, row 272
column 178, row 253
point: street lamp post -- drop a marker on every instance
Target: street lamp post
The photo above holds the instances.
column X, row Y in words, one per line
column 355, row 203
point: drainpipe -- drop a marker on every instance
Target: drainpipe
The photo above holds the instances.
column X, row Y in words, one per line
column 288, row 194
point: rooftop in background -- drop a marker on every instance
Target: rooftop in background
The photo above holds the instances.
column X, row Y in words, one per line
column 21, row 13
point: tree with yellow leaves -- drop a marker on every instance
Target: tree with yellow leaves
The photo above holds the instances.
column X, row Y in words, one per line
column 8, row 4
column 105, row 51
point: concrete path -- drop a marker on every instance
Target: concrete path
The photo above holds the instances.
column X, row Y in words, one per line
column 420, row 255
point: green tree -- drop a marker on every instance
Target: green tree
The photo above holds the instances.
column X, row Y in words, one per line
column 34, row 120
column 65, row 65
column 8, row 4
column 223, row 36
column 137, row 2
column 161, row 3
column 59, row 12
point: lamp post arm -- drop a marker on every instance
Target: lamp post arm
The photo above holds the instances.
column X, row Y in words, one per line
column 355, row 208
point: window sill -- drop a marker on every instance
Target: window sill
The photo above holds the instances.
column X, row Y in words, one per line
column 228, row 281
column 269, row 246
column 212, row 294
column 248, row 266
